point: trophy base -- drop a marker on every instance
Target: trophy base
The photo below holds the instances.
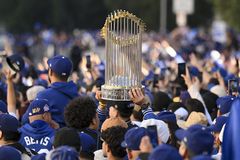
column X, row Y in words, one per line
column 112, row 93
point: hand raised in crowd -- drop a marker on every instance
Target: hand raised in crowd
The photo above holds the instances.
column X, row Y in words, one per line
column 8, row 75
column 137, row 96
column 191, row 81
column 102, row 103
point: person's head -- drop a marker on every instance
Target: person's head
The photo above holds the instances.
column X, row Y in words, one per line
column 225, row 104
column 63, row 153
column 112, row 139
column 121, row 109
column 165, row 152
column 216, row 129
column 111, row 122
column 39, row 110
column 88, row 145
column 67, row 137
column 137, row 114
column 161, row 101
column 8, row 129
column 81, row 113
column 33, row 91
column 210, row 99
column 162, row 128
column 194, row 118
column 194, row 105
column 7, row 152
column 196, row 140
column 132, row 140
column 60, row 68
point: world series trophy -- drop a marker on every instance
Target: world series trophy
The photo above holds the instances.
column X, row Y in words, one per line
column 122, row 32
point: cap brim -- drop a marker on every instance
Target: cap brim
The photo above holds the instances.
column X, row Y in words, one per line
column 180, row 134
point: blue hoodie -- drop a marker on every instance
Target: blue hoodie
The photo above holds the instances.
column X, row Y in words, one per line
column 58, row 95
column 36, row 136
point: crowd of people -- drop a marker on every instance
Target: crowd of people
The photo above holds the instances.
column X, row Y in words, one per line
column 51, row 107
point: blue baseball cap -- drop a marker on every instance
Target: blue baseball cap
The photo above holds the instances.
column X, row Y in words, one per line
column 8, row 123
column 165, row 152
column 167, row 116
column 7, row 152
column 15, row 62
column 60, row 65
column 38, row 106
column 133, row 137
column 220, row 121
column 225, row 103
column 63, row 153
column 88, row 144
column 3, row 107
column 197, row 138
column 202, row 157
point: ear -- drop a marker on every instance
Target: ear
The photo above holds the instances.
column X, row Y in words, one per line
column 107, row 148
column 129, row 154
column 1, row 134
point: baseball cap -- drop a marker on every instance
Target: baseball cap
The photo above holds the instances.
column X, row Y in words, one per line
column 3, row 107
column 110, row 122
column 162, row 128
column 193, row 71
column 220, row 121
column 166, row 116
column 64, row 153
column 225, row 103
column 202, row 157
column 165, row 152
column 88, row 144
column 7, row 152
column 15, row 62
column 8, row 123
column 197, row 138
column 133, row 137
column 38, row 106
column 67, row 136
column 61, row 65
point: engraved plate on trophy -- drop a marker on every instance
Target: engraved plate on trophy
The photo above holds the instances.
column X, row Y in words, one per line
column 122, row 32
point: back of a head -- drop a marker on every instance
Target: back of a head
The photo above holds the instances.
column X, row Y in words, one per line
column 113, row 137
column 124, row 109
column 63, row 153
column 161, row 101
column 194, row 105
column 67, row 136
column 80, row 112
column 33, row 91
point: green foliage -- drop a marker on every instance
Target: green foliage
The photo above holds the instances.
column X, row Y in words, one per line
column 229, row 11
column 21, row 15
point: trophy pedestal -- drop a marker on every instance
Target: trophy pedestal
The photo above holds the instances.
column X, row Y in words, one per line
column 112, row 93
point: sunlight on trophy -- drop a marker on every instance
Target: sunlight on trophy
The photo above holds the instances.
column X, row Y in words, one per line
column 122, row 32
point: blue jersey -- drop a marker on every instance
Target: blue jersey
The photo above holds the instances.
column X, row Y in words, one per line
column 36, row 136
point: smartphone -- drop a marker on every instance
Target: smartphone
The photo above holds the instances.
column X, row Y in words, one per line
column 233, row 85
column 88, row 64
column 181, row 69
column 153, row 135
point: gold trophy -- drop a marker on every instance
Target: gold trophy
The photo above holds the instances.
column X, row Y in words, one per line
column 122, row 32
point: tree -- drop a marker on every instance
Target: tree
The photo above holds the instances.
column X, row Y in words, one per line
column 229, row 11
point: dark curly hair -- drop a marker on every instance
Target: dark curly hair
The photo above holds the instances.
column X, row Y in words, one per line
column 113, row 137
column 80, row 112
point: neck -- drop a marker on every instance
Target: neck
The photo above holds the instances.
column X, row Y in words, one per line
column 111, row 157
column 3, row 143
